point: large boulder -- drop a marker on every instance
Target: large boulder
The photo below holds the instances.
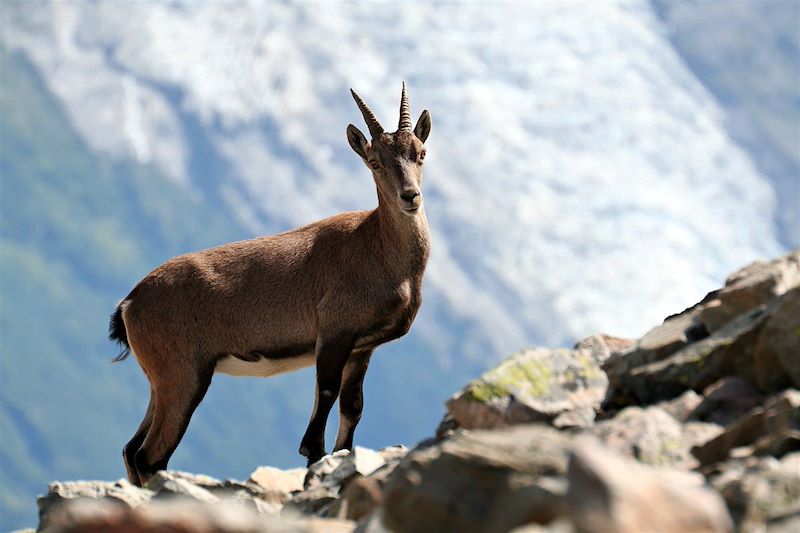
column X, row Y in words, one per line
column 479, row 481
column 564, row 387
column 609, row 493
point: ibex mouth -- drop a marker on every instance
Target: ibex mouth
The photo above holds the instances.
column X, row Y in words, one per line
column 411, row 209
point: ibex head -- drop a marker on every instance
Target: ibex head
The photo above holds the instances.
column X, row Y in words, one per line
column 395, row 159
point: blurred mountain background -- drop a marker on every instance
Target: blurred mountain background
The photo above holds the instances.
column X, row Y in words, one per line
column 592, row 167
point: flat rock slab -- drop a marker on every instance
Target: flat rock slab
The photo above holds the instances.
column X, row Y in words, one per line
column 182, row 516
column 564, row 387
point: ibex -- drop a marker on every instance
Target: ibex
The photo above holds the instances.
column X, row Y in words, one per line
column 326, row 294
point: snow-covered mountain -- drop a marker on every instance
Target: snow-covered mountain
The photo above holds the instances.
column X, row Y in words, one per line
column 578, row 168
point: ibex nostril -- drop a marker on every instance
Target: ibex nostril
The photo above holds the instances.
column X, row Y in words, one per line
column 409, row 196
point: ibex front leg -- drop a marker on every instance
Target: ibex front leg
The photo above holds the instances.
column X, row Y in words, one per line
column 332, row 355
column 351, row 399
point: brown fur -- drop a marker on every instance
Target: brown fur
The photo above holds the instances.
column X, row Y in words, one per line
column 336, row 288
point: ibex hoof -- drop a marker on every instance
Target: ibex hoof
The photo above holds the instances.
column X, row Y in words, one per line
column 304, row 451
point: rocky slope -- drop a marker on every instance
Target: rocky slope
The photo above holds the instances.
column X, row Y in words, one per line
column 693, row 427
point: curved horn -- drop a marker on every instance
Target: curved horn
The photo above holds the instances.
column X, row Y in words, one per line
column 405, row 113
column 375, row 128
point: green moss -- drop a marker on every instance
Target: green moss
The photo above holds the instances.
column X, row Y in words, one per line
column 532, row 377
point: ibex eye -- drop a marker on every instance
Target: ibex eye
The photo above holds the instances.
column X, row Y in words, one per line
column 421, row 156
column 374, row 165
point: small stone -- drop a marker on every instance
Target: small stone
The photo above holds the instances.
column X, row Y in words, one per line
column 601, row 346
column 275, row 479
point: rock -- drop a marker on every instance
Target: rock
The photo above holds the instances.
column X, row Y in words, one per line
column 730, row 351
column 311, row 501
column 648, row 435
column 533, row 385
column 773, row 429
column 120, row 492
column 777, row 352
column 275, row 479
column 699, row 433
column 727, row 400
column 759, row 490
column 601, row 346
column 479, row 481
column 323, row 468
column 170, row 484
column 360, row 498
column 361, row 461
column 447, row 427
column 182, row 516
column 752, row 286
column 609, row 493
column 682, row 407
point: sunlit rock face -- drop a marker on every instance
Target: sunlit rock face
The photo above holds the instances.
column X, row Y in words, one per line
column 575, row 159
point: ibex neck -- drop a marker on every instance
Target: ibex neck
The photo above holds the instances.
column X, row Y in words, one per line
column 405, row 239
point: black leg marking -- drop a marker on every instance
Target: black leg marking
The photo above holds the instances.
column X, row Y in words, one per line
column 351, row 399
column 332, row 355
column 130, row 449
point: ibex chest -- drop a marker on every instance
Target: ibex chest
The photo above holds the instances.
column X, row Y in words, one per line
column 394, row 318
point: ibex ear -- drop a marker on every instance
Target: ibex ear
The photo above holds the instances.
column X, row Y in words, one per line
column 423, row 127
column 357, row 141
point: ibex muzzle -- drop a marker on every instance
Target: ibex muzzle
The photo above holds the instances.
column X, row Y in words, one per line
column 326, row 294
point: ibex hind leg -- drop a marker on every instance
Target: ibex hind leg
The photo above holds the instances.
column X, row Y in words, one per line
column 130, row 449
column 177, row 400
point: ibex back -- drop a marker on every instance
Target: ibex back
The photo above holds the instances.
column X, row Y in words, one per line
column 326, row 294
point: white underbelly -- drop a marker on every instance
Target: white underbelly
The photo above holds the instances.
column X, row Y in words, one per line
column 263, row 367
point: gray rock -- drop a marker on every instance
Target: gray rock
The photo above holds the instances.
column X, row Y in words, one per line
column 117, row 493
column 172, row 484
column 730, row 351
column 727, row 400
column 609, row 493
column 479, row 481
column 602, row 346
column 323, row 468
column 182, row 516
column 773, row 429
column 313, row 501
column 277, row 480
column 648, row 435
column 360, row 498
column 683, row 406
column 751, row 287
column 777, row 351
column 361, row 462
column 533, row 385
column 760, row 490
